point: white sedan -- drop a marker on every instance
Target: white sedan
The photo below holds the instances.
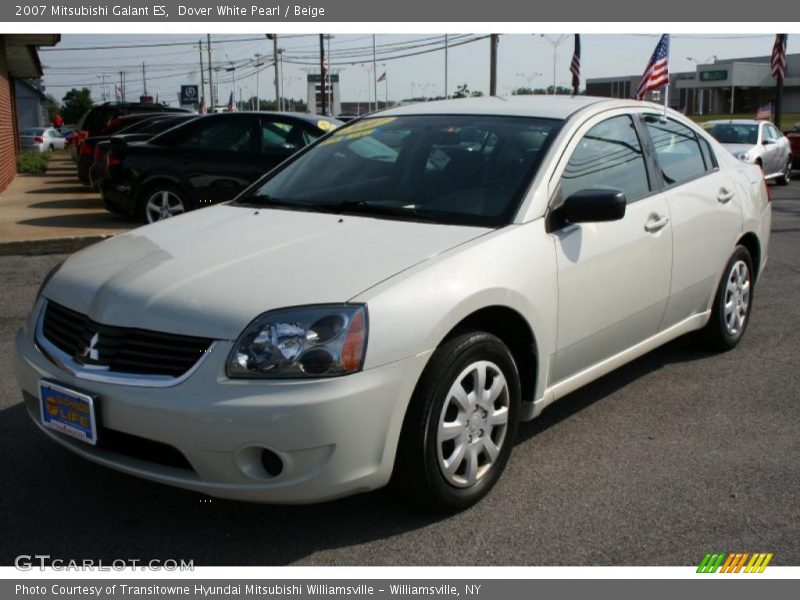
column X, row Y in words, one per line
column 41, row 139
column 390, row 303
column 757, row 142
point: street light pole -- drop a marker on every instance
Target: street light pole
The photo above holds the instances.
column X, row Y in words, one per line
column 555, row 44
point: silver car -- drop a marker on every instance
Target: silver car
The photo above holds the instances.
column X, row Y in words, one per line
column 756, row 142
column 41, row 139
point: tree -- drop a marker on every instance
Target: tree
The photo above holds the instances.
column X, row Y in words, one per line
column 75, row 103
column 52, row 106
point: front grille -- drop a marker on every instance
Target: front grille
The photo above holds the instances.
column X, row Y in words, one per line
column 121, row 349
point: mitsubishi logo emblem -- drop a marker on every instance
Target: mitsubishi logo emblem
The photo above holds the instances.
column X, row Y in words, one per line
column 90, row 351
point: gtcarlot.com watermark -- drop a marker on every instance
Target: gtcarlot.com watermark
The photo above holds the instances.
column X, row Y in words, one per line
column 29, row 562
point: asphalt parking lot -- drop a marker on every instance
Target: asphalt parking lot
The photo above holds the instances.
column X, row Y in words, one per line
column 680, row 453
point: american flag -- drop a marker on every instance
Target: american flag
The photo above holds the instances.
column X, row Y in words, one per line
column 779, row 57
column 575, row 65
column 656, row 73
column 382, row 77
column 764, row 111
column 202, row 110
column 231, row 105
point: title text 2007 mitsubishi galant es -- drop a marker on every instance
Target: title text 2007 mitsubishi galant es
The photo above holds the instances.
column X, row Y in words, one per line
column 388, row 304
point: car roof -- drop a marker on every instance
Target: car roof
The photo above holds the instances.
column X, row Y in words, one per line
column 310, row 118
column 539, row 105
column 735, row 122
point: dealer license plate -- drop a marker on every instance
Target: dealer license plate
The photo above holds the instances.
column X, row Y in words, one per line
column 68, row 411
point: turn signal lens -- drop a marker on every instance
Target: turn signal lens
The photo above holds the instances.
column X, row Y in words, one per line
column 353, row 347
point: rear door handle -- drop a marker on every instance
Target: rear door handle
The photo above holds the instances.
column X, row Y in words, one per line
column 724, row 196
column 656, row 224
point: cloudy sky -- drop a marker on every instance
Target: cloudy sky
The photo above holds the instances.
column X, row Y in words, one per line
column 414, row 64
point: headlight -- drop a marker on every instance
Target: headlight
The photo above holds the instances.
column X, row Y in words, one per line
column 743, row 156
column 313, row 341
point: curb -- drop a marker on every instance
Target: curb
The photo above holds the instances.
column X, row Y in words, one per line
column 66, row 245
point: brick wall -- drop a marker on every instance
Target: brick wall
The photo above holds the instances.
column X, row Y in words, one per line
column 8, row 138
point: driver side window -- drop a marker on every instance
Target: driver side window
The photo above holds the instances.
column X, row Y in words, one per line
column 608, row 157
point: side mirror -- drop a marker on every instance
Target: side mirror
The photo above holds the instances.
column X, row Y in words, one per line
column 592, row 206
column 767, row 142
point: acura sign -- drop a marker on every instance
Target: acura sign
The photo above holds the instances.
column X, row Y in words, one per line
column 189, row 94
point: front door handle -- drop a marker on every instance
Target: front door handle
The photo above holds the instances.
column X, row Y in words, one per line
column 656, row 223
column 725, row 195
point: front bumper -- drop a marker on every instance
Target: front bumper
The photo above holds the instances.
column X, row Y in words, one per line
column 335, row 436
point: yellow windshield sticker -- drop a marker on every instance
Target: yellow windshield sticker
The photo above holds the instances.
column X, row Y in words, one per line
column 358, row 130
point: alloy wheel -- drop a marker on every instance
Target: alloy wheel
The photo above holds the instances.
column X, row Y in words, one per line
column 737, row 298
column 163, row 205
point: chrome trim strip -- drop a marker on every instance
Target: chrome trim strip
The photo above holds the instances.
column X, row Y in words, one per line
column 91, row 373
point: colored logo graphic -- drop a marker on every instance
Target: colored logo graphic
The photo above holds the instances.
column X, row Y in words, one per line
column 734, row 562
column 52, row 406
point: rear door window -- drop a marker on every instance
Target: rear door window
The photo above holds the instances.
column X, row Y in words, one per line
column 677, row 149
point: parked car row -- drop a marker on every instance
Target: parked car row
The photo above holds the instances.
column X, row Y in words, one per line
column 156, row 164
column 757, row 142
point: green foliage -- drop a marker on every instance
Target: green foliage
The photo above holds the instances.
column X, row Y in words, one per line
column 76, row 102
column 52, row 106
column 33, row 162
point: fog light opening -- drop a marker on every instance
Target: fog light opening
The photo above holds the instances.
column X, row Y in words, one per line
column 271, row 463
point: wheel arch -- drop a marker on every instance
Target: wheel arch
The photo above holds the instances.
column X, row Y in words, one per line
column 750, row 241
column 514, row 330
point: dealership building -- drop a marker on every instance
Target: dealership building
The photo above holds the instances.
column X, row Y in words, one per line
column 19, row 60
column 729, row 86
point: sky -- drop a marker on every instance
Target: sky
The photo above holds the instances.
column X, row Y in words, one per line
column 523, row 60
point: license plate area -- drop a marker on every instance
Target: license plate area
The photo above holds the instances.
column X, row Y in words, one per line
column 68, row 411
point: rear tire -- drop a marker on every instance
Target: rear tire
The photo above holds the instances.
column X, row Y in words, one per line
column 786, row 177
column 460, row 425
column 163, row 201
column 733, row 303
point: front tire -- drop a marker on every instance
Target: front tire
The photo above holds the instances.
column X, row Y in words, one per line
column 461, row 423
column 733, row 302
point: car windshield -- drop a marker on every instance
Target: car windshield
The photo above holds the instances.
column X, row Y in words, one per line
column 32, row 131
column 468, row 170
column 734, row 133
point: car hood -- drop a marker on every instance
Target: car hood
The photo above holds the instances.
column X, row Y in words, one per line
column 210, row 272
column 739, row 148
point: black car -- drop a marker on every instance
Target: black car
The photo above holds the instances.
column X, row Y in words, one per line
column 138, row 132
column 122, row 124
column 97, row 118
column 203, row 162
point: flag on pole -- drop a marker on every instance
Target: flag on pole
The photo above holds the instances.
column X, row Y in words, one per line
column 765, row 111
column 779, row 57
column 202, row 108
column 656, row 73
column 575, row 65
column 231, row 105
column 117, row 93
column 382, row 77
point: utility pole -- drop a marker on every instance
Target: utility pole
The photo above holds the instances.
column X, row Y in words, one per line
column 374, row 72
column 259, row 64
column 493, row 40
column 446, row 47
column 122, row 85
column 144, row 79
column 274, row 38
column 202, row 75
column 210, row 76
column 322, row 90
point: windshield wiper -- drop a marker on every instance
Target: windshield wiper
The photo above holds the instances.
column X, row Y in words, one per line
column 270, row 201
column 368, row 208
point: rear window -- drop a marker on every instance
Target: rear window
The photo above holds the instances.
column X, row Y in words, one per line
column 32, row 131
column 459, row 169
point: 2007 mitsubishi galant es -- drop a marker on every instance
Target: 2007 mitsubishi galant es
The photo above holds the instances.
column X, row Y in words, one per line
column 388, row 304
